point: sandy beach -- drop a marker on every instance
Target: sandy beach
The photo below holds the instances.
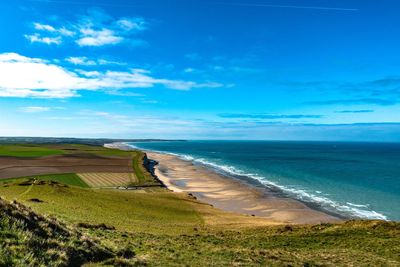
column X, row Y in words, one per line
column 232, row 195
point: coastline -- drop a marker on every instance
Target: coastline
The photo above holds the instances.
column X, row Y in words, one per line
column 229, row 194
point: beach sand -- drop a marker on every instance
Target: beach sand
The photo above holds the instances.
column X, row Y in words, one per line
column 232, row 195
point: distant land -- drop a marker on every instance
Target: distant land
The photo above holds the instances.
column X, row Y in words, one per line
column 70, row 140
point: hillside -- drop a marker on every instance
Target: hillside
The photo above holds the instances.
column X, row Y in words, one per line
column 59, row 220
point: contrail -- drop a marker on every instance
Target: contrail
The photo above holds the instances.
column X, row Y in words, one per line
column 289, row 6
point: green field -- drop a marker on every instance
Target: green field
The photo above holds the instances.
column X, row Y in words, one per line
column 71, row 224
column 37, row 150
column 67, row 178
column 29, row 151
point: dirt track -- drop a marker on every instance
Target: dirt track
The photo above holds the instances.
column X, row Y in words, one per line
column 11, row 167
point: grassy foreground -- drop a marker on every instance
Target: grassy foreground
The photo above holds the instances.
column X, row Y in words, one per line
column 56, row 220
column 159, row 228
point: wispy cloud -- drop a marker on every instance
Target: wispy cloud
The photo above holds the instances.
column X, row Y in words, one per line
column 356, row 111
column 44, row 27
column 34, row 109
column 385, row 91
column 361, row 101
column 268, row 116
column 91, row 37
column 48, row 34
column 81, row 61
column 189, row 70
column 96, row 28
column 85, row 61
column 386, row 82
column 36, row 38
column 48, row 80
column 193, row 56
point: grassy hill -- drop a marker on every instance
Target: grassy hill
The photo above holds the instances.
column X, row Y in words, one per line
column 30, row 239
column 56, row 220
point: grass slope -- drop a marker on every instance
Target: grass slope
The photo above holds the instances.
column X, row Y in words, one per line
column 168, row 229
column 350, row 244
column 125, row 210
column 30, row 239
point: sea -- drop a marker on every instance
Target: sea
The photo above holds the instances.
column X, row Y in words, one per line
column 353, row 180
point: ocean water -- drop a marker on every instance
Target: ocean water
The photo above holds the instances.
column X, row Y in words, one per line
column 356, row 180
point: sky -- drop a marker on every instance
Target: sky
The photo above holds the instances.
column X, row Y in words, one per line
column 201, row 69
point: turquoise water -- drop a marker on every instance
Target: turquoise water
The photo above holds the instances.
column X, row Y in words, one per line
column 353, row 179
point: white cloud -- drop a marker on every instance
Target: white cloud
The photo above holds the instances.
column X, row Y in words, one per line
column 110, row 62
column 94, row 29
column 14, row 57
column 44, row 27
column 34, row 109
column 48, row 80
column 102, row 37
column 85, row 61
column 36, row 38
column 189, row 70
column 130, row 24
column 64, row 31
column 81, row 61
column 53, row 35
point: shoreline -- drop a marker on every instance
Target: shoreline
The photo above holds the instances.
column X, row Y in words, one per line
column 230, row 194
column 233, row 195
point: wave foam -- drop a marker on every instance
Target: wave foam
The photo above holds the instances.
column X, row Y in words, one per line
column 351, row 209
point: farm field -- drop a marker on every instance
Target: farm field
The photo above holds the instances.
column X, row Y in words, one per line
column 28, row 151
column 98, row 166
column 100, row 179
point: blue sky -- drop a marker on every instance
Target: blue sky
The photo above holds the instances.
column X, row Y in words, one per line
column 230, row 69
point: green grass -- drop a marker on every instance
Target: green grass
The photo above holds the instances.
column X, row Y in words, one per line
column 37, row 150
column 30, row 239
column 97, row 150
column 67, row 178
column 350, row 244
column 166, row 229
column 125, row 210
column 143, row 176
column 29, row 151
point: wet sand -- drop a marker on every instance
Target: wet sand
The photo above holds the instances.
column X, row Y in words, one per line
column 231, row 194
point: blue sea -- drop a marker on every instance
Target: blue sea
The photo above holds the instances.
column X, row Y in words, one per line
column 355, row 180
